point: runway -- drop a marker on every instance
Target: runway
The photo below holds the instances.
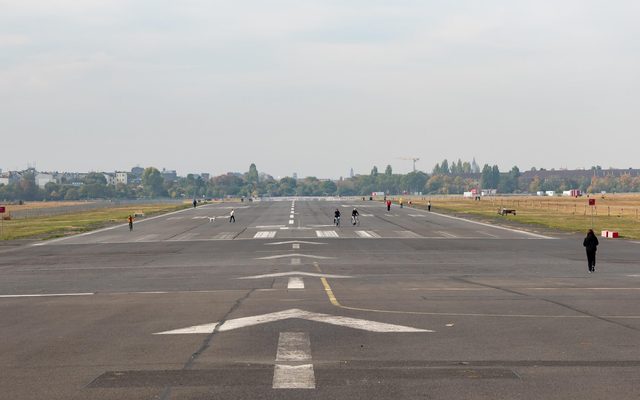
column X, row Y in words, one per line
column 283, row 304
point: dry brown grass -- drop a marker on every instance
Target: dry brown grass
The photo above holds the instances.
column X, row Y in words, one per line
column 617, row 212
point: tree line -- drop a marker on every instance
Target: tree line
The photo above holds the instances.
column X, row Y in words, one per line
column 445, row 178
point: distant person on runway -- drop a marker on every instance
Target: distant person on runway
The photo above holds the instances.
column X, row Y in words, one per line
column 232, row 217
column 429, row 206
column 388, row 205
column 591, row 244
column 195, row 203
column 130, row 220
column 336, row 217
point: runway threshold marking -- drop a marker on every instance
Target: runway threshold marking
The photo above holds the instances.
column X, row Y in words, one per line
column 293, row 348
column 368, row 234
column 327, row 234
column 265, row 235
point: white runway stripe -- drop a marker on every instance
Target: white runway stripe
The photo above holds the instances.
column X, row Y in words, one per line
column 265, row 235
column 409, row 234
column 224, row 236
column 294, row 377
column 327, row 234
column 295, row 283
column 367, row 234
column 12, row 296
column 446, row 234
column 293, row 347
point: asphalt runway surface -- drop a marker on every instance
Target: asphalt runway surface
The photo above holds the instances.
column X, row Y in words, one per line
column 282, row 304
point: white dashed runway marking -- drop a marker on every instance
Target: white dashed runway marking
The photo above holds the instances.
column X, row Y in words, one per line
column 327, row 234
column 265, row 235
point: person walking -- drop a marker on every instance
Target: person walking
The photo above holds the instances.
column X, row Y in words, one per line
column 388, row 205
column 130, row 220
column 429, row 206
column 195, row 203
column 232, row 217
column 591, row 244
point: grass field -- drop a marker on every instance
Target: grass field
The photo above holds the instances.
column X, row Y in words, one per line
column 72, row 223
column 618, row 212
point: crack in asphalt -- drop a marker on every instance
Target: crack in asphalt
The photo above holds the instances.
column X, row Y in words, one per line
column 207, row 341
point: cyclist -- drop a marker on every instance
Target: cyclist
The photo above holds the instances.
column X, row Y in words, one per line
column 336, row 217
column 354, row 216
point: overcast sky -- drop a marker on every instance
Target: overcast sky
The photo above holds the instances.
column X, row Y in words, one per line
column 318, row 87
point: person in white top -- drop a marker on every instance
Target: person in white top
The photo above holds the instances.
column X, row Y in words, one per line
column 232, row 217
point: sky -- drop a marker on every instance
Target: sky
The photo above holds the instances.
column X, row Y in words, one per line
column 318, row 87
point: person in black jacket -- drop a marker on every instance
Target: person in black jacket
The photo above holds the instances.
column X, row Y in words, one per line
column 591, row 244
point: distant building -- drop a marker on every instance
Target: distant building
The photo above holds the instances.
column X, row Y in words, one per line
column 205, row 176
column 122, row 177
column 169, row 175
column 137, row 172
column 351, row 174
column 111, row 178
column 43, row 179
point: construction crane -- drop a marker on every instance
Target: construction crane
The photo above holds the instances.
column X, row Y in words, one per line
column 414, row 159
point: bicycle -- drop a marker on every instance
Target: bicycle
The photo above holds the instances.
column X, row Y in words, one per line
column 336, row 221
column 355, row 220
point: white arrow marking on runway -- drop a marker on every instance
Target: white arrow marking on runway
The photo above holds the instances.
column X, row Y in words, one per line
column 295, row 261
column 291, row 255
column 354, row 323
column 293, row 242
column 296, row 273
column 295, row 246
column 295, row 283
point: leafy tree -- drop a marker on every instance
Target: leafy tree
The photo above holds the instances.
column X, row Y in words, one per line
column 153, row 183
column 388, row 171
column 374, row 171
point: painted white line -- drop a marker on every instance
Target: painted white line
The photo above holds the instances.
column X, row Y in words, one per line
column 295, row 283
column 535, row 235
column 294, row 377
column 292, row 242
column 294, row 346
column 200, row 217
column 367, row 234
column 409, row 235
column 447, row 234
column 294, row 273
column 366, row 215
column 291, row 216
column 295, row 246
column 418, row 215
column 295, row 261
column 238, row 323
column 174, row 218
column 145, row 238
column 11, row 296
column 268, row 226
column 224, row 236
column 291, row 255
column 327, row 234
column 290, row 222
column 265, row 235
column 183, row 237
column 488, row 234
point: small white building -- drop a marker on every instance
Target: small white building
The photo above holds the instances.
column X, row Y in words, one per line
column 122, row 177
column 550, row 193
column 43, row 179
